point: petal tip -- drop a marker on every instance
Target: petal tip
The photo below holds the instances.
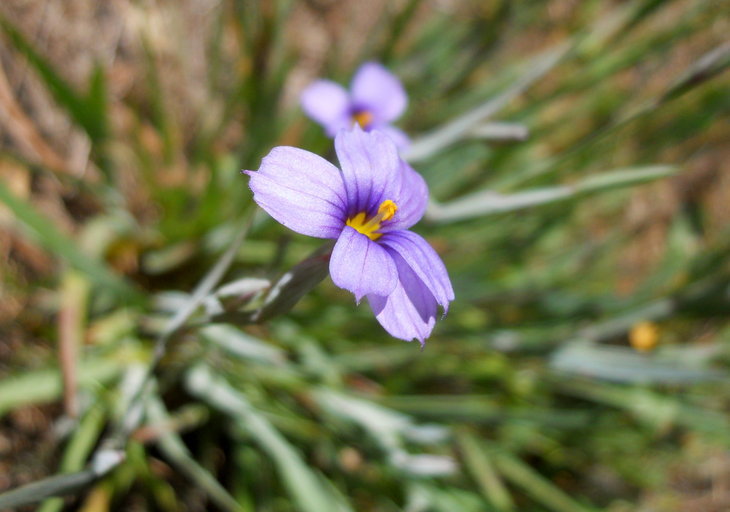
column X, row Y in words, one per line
column 420, row 338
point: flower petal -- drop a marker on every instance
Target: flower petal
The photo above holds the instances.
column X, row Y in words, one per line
column 327, row 103
column 398, row 136
column 302, row 191
column 370, row 168
column 412, row 199
column 361, row 266
column 423, row 260
column 378, row 91
column 410, row 310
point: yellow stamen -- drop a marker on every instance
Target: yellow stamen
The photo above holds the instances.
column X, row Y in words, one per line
column 363, row 118
column 369, row 227
column 387, row 210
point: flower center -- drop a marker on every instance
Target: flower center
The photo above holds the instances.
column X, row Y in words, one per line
column 369, row 227
column 363, row 118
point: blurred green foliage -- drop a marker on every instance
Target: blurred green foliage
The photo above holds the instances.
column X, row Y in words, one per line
column 529, row 395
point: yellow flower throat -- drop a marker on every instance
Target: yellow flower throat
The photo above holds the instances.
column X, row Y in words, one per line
column 369, row 227
column 363, row 118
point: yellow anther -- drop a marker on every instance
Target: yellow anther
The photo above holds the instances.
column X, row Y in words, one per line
column 363, row 118
column 369, row 227
column 644, row 336
column 387, row 210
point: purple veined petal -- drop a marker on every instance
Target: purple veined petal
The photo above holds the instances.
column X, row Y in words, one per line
column 423, row 260
column 411, row 199
column 409, row 312
column 362, row 266
column 302, row 191
column 327, row 103
column 370, row 168
column 398, row 136
column 379, row 91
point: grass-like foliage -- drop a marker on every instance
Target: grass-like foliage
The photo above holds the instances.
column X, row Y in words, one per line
column 577, row 160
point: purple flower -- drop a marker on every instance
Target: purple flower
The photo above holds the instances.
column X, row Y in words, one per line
column 376, row 99
column 367, row 208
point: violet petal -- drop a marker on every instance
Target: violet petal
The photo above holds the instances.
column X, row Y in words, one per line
column 398, row 136
column 362, row 266
column 424, row 262
column 327, row 103
column 409, row 312
column 412, row 200
column 370, row 168
column 377, row 90
column 302, row 191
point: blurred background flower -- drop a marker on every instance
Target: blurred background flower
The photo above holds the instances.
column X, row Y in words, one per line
column 376, row 99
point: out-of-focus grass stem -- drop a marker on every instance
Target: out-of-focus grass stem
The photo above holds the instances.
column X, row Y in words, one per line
column 133, row 415
column 71, row 314
column 483, row 471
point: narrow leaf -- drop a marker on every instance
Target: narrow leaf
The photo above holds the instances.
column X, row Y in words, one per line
column 175, row 450
column 431, row 143
column 488, row 202
column 534, row 484
column 303, row 484
column 44, row 231
column 45, row 385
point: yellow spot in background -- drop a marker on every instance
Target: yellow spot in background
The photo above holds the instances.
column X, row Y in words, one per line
column 363, row 118
column 644, row 336
column 369, row 227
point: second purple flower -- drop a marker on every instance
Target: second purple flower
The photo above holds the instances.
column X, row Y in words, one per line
column 376, row 98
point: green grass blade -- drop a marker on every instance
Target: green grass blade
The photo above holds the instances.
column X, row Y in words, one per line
column 303, row 484
column 437, row 140
column 488, row 202
column 45, row 385
column 44, row 232
column 175, row 450
column 534, row 484
column 89, row 113
column 84, row 439
column 624, row 364
column 705, row 68
column 482, row 470
column 59, row 485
